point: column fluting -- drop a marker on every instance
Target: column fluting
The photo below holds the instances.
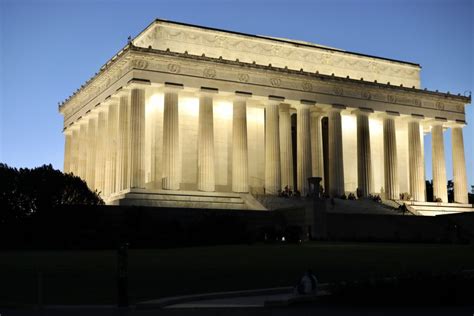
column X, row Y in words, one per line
column 364, row 160
column 111, row 153
column 439, row 164
column 67, row 151
column 272, row 148
column 286, row 147
column 74, row 161
column 317, row 161
column 137, row 138
column 171, row 167
column 240, row 176
column 82, row 156
column 459, row 166
column 91, row 148
column 123, row 144
column 336, row 162
column 206, row 176
column 390, row 159
column 416, row 164
column 303, row 139
column 100, row 154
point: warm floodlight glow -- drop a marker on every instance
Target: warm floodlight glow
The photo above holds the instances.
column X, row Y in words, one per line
column 223, row 110
column 189, row 105
column 155, row 103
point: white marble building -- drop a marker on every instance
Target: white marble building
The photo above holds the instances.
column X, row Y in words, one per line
column 191, row 116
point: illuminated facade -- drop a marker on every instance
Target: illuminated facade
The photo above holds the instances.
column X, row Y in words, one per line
column 197, row 117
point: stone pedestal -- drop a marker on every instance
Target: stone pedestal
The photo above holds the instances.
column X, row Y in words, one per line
column 336, row 166
column 439, row 164
column 303, row 155
column 206, row 177
column 390, row 159
column 171, row 167
column 459, row 166
column 416, row 164
column 240, row 177
column 364, row 161
column 286, row 151
column 272, row 147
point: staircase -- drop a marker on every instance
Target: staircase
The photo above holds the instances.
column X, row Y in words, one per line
column 185, row 199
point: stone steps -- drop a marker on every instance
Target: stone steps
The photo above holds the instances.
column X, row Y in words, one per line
column 185, row 199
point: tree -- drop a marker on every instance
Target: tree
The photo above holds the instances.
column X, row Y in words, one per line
column 25, row 192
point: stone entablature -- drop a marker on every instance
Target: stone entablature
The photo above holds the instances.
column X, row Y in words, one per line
column 196, row 40
column 161, row 66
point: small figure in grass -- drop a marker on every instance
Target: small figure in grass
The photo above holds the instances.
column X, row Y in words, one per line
column 308, row 284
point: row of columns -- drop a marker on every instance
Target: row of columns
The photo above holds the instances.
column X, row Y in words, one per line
column 119, row 128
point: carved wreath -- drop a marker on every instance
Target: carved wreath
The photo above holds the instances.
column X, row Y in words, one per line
column 174, row 68
column 209, row 73
column 276, row 82
column 307, row 86
column 243, row 77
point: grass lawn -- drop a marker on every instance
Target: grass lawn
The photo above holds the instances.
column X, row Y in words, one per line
column 88, row 277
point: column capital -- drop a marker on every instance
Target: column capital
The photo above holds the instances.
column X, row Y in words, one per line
column 337, row 107
column 437, row 121
column 284, row 107
column 138, row 83
column 275, row 100
column 208, row 91
column 415, row 118
column 363, row 111
column 173, row 87
column 241, row 96
column 316, row 112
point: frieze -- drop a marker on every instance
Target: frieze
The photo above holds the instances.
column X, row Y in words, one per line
column 228, row 72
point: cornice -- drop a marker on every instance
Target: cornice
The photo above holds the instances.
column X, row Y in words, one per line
column 129, row 58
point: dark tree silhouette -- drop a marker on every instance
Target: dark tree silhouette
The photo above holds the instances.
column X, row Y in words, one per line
column 25, row 192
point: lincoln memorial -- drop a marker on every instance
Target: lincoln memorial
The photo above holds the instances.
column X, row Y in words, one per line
column 190, row 116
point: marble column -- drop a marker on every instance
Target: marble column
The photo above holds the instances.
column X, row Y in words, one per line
column 459, row 166
column 91, row 148
column 206, row 176
column 171, row 166
column 416, row 164
column 439, row 164
column 137, row 138
column 364, row 161
column 74, row 160
column 317, row 161
column 390, row 158
column 272, row 146
column 123, row 143
column 286, row 147
column 67, row 151
column 303, row 155
column 336, row 162
column 240, row 171
column 111, row 153
column 101, row 148
column 82, row 156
